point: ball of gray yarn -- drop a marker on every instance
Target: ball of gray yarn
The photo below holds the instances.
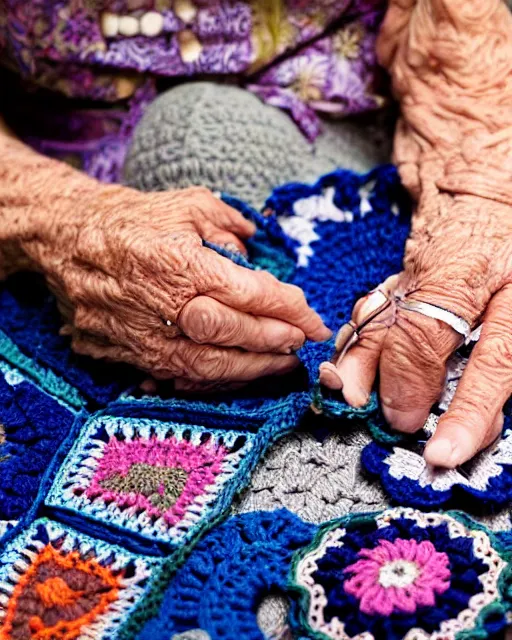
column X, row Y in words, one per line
column 225, row 138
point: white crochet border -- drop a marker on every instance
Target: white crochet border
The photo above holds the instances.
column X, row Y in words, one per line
column 83, row 459
column 482, row 549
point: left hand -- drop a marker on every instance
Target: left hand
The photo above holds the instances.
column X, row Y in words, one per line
column 461, row 260
column 451, row 67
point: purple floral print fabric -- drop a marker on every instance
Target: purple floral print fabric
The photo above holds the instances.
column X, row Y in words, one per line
column 301, row 56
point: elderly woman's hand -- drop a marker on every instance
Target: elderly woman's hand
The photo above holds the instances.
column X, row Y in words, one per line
column 134, row 281
column 136, row 284
column 451, row 64
column 461, row 261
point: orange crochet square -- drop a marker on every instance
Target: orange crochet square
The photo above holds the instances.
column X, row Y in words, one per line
column 58, row 595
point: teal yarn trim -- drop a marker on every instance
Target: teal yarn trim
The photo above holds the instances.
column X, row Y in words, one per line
column 331, row 575
column 275, row 421
column 49, row 381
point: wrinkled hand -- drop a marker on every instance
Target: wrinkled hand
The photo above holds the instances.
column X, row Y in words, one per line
column 135, row 284
column 451, row 64
column 464, row 265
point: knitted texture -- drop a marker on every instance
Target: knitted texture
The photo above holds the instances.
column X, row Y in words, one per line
column 60, row 584
column 225, row 138
column 402, row 574
column 32, row 427
column 230, row 572
column 318, row 478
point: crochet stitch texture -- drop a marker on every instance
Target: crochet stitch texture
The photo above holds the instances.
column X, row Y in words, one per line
column 112, row 499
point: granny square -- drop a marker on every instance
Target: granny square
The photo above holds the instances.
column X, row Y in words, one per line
column 402, row 574
column 58, row 584
column 160, row 480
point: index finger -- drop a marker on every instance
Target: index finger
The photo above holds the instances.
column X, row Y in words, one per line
column 258, row 293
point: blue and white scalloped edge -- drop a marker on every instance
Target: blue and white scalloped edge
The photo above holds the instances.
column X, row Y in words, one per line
column 408, row 480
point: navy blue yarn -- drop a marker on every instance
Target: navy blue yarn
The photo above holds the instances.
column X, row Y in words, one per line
column 464, row 566
column 228, row 574
column 29, row 316
column 35, row 426
column 409, row 492
column 350, row 259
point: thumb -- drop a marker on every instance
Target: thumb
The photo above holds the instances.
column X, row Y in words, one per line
column 474, row 417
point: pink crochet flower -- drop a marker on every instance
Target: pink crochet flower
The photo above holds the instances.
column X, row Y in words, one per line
column 398, row 576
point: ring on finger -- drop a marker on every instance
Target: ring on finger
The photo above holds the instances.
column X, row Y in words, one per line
column 350, row 332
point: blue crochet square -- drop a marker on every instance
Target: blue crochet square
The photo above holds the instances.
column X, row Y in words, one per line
column 33, row 425
column 155, row 484
column 216, row 593
column 58, row 583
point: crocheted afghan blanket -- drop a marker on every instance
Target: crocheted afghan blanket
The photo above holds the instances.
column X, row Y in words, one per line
column 111, row 501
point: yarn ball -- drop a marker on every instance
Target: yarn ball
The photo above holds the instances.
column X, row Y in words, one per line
column 225, row 138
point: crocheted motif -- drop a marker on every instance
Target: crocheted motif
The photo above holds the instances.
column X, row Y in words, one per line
column 402, row 574
column 228, row 574
column 161, row 481
column 407, row 478
column 30, row 319
column 33, row 425
column 398, row 576
column 318, row 478
column 58, row 584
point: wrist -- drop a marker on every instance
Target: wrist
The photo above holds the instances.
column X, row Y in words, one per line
column 43, row 204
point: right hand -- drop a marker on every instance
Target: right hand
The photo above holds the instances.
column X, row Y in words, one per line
column 135, row 284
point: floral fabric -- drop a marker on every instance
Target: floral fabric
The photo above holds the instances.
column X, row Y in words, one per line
column 304, row 57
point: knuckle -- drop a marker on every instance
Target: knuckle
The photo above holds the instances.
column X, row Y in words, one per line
column 199, row 192
column 201, row 322
column 209, row 364
column 426, row 338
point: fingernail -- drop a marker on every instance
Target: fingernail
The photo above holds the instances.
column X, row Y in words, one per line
column 443, row 453
column 407, row 421
column 358, row 397
column 330, row 377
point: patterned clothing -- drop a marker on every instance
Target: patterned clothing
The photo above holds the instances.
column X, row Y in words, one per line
column 102, row 62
